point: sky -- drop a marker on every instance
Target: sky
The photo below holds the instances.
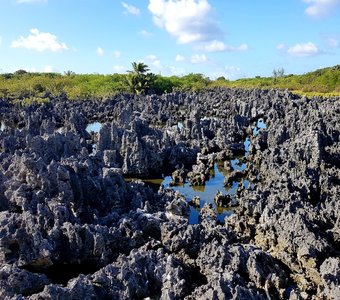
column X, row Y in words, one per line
column 229, row 38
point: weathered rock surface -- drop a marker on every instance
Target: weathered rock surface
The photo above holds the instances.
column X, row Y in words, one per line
column 71, row 227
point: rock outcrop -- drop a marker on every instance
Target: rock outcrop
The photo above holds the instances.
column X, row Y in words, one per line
column 72, row 227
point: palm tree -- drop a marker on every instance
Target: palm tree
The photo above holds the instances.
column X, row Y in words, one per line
column 139, row 68
column 138, row 80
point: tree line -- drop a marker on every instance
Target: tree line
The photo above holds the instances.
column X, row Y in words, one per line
column 39, row 87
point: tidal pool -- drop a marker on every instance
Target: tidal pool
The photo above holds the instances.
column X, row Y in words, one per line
column 206, row 193
column 214, row 184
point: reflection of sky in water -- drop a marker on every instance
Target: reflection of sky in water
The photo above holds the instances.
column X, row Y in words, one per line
column 206, row 193
column 236, row 165
column 246, row 146
column 214, row 184
column 260, row 124
column 94, row 127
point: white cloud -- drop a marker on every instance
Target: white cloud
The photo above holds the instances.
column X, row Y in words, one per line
column 219, row 46
column 321, row 8
column 48, row 69
column 119, row 69
column 100, row 51
column 180, row 57
column 154, row 61
column 157, row 66
column 145, row 33
column 31, row 1
column 189, row 21
column 303, row 50
column 130, row 9
column 39, row 41
column 198, row 58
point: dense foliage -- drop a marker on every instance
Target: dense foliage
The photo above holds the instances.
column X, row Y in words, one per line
column 28, row 87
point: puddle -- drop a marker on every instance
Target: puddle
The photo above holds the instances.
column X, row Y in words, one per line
column 260, row 124
column 237, row 165
column 215, row 183
column 94, row 127
column 206, row 193
column 153, row 183
column 246, row 146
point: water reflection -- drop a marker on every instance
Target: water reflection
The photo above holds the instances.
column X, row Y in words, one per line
column 260, row 124
column 236, row 164
column 94, row 127
column 216, row 182
column 206, row 193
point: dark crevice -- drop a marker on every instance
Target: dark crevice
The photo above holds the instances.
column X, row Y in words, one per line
column 61, row 273
column 195, row 279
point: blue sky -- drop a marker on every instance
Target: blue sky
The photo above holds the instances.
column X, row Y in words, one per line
column 228, row 38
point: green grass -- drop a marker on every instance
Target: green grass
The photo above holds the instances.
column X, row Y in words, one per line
column 37, row 87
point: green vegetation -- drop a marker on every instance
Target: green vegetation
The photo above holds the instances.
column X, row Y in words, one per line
column 320, row 82
column 38, row 87
column 138, row 80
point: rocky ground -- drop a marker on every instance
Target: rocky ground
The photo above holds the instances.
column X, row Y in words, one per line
column 71, row 227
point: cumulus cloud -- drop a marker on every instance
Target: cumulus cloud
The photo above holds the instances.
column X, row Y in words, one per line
column 39, row 41
column 188, row 21
column 191, row 22
column 154, row 61
column 180, row 57
column 219, row 46
column 198, row 58
column 100, row 51
column 31, row 1
column 130, row 9
column 304, row 50
column 321, row 8
column 157, row 66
